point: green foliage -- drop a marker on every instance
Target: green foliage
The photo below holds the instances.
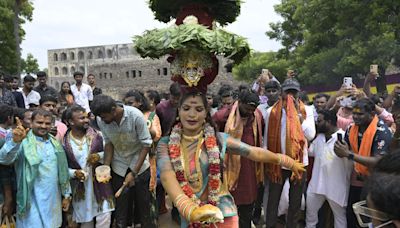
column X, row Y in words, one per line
column 160, row 42
column 30, row 64
column 224, row 11
column 8, row 45
column 251, row 68
column 325, row 40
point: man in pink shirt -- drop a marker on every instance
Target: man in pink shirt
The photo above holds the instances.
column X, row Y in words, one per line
column 49, row 103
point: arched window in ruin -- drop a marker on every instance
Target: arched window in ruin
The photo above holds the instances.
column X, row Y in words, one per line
column 64, row 71
column 101, row 76
column 56, row 72
column 55, row 57
column 81, row 55
column 82, row 69
column 63, row 56
column 110, row 75
column 72, row 55
column 109, row 53
column 100, row 54
column 140, row 73
column 72, row 70
column 127, row 74
column 90, row 55
column 165, row 71
column 134, row 74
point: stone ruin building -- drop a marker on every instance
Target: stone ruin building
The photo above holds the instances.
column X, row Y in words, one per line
column 118, row 68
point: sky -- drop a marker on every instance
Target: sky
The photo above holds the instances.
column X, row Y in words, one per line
column 78, row 23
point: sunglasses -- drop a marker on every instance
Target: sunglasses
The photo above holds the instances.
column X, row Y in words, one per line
column 364, row 214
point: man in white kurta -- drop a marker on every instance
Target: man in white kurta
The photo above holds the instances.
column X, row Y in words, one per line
column 330, row 176
column 38, row 162
column 84, row 148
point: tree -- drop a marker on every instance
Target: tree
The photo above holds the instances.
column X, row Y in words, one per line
column 251, row 68
column 30, row 65
column 326, row 40
column 13, row 14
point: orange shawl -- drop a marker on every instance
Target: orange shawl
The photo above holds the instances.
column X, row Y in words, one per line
column 295, row 139
column 234, row 127
column 366, row 143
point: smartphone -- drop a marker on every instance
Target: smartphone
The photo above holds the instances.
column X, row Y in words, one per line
column 348, row 81
column 339, row 137
column 373, row 68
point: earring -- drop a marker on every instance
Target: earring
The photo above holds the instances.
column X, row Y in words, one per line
column 177, row 118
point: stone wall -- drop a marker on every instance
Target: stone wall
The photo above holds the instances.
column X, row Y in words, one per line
column 118, row 68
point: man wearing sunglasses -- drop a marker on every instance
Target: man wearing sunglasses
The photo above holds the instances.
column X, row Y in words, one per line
column 381, row 209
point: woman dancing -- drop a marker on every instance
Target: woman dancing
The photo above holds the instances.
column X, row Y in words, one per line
column 191, row 161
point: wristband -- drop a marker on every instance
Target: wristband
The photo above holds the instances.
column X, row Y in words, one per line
column 350, row 157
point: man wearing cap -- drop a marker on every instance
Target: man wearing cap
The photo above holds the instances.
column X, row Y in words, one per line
column 288, row 127
column 245, row 122
column 82, row 92
column 43, row 89
column 31, row 97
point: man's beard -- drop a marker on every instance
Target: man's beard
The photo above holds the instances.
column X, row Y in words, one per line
column 322, row 129
column 82, row 128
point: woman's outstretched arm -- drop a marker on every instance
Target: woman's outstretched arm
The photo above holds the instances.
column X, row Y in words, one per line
column 259, row 154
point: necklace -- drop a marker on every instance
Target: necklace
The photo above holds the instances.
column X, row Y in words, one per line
column 195, row 179
column 78, row 142
column 214, row 171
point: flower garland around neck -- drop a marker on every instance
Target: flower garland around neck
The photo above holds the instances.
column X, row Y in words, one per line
column 214, row 173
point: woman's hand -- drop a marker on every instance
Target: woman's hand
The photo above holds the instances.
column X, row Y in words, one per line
column 297, row 170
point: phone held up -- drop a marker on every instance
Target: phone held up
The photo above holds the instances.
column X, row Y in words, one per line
column 348, row 81
column 339, row 137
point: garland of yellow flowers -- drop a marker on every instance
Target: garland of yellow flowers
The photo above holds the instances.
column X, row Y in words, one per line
column 214, row 173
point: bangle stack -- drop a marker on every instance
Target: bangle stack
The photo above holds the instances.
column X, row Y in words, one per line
column 285, row 161
column 185, row 205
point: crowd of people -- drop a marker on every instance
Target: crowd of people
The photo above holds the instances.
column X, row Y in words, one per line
column 259, row 154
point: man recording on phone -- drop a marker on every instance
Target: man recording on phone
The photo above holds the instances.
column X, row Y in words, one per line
column 364, row 143
column 331, row 174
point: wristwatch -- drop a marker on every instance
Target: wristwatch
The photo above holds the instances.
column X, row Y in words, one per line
column 350, row 156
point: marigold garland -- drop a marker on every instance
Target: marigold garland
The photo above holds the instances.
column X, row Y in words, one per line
column 214, row 171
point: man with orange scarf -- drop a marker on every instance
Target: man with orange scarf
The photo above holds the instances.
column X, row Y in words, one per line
column 288, row 126
column 364, row 143
column 243, row 121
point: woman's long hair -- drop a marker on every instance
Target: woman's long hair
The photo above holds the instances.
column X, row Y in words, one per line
column 61, row 89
